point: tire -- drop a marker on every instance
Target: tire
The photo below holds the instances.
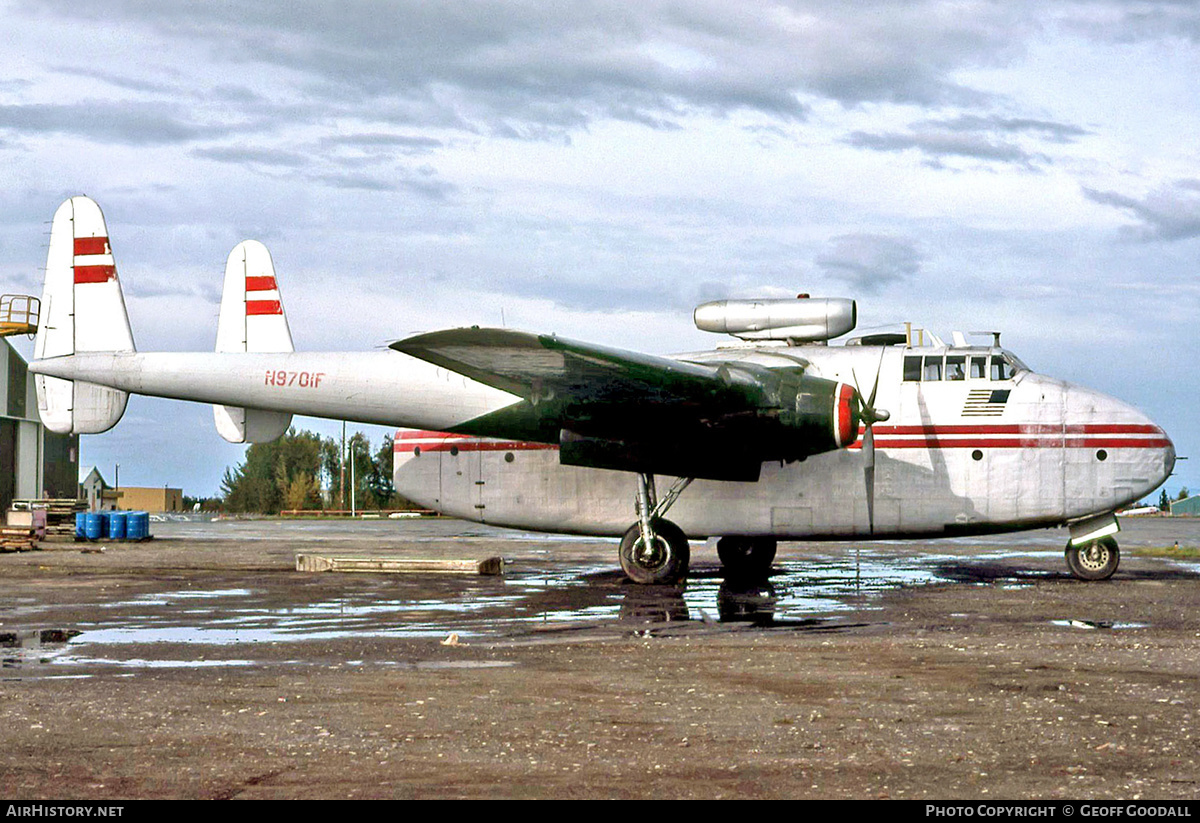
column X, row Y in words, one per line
column 1097, row 560
column 667, row 561
column 747, row 558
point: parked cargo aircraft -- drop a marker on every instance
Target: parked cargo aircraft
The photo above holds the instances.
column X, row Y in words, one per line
column 778, row 436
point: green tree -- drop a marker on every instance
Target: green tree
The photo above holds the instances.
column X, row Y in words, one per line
column 281, row 474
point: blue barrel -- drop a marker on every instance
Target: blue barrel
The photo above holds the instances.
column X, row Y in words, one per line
column 137, row 526
column 116, row 525
column 94, row 526
column 80, row 525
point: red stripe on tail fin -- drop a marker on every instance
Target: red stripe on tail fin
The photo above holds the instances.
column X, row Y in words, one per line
column 260, row 284
column 263, row 307
column 95, row 274
column 91, row 245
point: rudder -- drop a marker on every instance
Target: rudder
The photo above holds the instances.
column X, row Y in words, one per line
column 251, row 320
column 83, row 310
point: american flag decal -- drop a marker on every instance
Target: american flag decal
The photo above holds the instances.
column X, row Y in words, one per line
column 985, row 402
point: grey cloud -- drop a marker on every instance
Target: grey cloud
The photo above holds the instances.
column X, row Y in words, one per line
column 1048, row 129
column 405, row 143
column 870, row 262
column 938, row 145
column 241, row 155
column 537, row 70
column 1127, row 22
column 136, row 124
column 1168, row 213
column 990, row 138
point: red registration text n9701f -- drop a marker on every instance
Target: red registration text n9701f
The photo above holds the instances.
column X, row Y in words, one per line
column 303, row 379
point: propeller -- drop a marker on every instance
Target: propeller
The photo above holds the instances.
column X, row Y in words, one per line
column 870, row 415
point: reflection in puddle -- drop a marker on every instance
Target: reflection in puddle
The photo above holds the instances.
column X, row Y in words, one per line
column 186, row 626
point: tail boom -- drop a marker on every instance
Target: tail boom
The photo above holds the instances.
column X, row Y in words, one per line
column 385, row 388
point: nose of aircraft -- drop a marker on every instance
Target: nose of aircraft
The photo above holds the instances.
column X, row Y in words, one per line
column 1141, row 454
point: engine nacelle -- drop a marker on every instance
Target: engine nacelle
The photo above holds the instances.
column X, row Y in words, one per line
column 804, row 319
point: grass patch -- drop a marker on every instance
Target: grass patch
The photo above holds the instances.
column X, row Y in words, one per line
column 1180, row 553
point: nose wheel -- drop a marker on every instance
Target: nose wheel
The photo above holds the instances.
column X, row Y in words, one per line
column 654, row 551
column 1094, row 560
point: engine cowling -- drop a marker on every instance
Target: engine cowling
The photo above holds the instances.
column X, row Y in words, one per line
column 803, row 319
column 797, row 416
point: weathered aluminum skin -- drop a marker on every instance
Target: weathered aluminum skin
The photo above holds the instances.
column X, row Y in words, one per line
column 1050, row 453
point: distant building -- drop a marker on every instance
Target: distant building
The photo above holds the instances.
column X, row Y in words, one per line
column 1188, row 507
column 102, row 497
column 152, row 499
column 95, row 491
column 34, row 463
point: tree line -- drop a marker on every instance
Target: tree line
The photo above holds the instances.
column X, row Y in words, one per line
column 302, row 470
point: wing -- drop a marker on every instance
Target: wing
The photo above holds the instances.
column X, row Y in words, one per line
column 613, row 408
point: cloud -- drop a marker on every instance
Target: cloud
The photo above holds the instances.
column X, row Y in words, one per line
column 241, row 155
column 990, row 139
column 870, row 262
column 1167, row 213
column 535, row 70
column 129, row 123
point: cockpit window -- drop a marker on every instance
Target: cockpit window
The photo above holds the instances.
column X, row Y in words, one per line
column 979, row 367
column 933, row 368
column 956, row 367
column 1002, row 368
column 912, row 368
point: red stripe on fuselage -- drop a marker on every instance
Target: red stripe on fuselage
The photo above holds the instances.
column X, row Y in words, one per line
column 1039, row 436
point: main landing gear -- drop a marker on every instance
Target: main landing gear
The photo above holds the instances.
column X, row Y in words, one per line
column 1093, row 560
column 654, row 551
column 746, row 558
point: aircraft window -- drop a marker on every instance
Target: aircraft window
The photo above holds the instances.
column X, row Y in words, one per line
column 956, row 367
column 1002, row 369
column 979, row 368
column 933, row 368
column 912, row 368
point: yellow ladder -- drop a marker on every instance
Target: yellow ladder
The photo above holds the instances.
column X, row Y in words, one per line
column 19, row 314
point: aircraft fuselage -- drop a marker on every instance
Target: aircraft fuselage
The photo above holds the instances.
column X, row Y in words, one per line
column 994, row 448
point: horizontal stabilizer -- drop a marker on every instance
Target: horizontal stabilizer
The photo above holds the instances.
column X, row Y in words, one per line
column 252, row 320
column 78, row 407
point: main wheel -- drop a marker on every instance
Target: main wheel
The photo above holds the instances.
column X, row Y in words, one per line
column 1096, row 560
column 661, row 561
column 747, row 557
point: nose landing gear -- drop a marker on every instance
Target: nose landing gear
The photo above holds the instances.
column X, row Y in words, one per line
column 1094, row 560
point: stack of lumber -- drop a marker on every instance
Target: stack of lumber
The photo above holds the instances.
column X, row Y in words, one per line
column 17, row 539
column 60, row 515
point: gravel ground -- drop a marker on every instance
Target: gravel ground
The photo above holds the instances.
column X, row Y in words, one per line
column 202, row 665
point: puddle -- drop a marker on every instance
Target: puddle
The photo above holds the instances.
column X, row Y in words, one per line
column 1099, row 624
column 265, row 619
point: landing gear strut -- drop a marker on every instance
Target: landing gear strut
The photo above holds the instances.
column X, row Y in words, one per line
column 654, row 550
column 1094, row 560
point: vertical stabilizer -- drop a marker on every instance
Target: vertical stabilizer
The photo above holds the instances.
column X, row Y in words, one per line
column 83, row 310
column 252, row 320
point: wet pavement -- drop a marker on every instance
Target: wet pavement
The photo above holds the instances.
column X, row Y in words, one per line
column 266, row 614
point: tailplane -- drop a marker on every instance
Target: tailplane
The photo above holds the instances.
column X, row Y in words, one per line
column 252, row 320
column 83, row 310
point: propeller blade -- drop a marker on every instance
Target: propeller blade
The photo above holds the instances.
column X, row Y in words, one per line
column 869, row 475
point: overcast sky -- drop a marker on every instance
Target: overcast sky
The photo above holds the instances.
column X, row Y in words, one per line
column 596, row 169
